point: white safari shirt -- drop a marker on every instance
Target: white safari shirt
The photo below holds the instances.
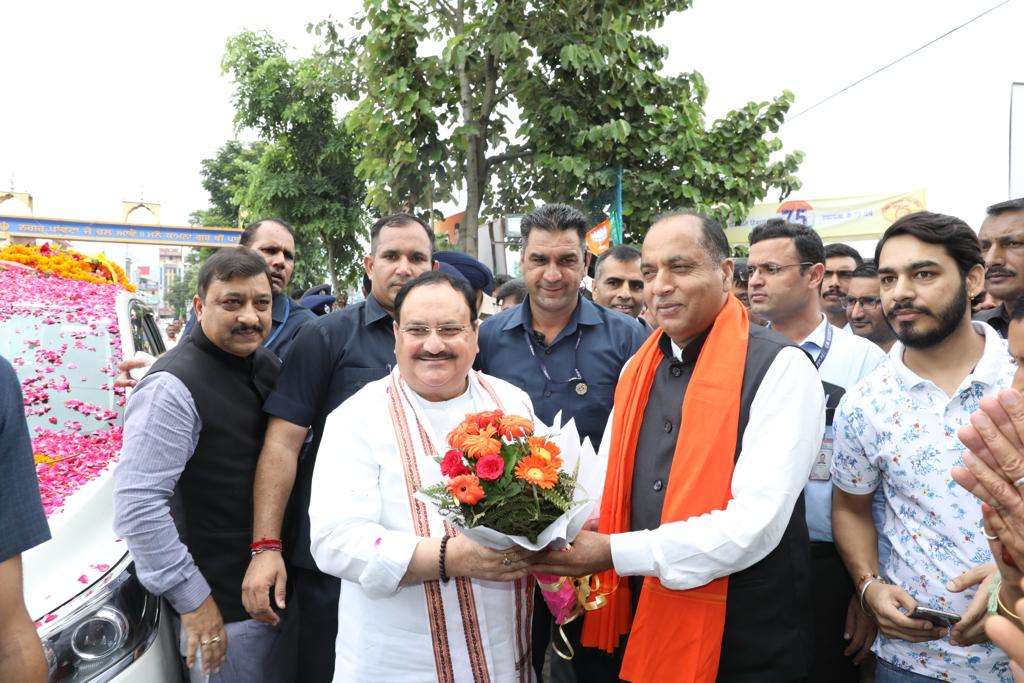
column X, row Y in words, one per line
column 898, row 430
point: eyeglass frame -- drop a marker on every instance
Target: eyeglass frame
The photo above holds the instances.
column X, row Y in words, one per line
column 424, row 331
column 755, row 269
column 851, row 301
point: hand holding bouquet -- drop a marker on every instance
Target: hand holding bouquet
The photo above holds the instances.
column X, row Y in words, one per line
column 512, row 484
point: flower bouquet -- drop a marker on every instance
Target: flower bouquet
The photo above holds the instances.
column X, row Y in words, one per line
column 510, row 483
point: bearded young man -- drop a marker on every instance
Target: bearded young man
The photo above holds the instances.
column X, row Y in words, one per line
column 897, row 429
column 702, row 548
column 417, row 604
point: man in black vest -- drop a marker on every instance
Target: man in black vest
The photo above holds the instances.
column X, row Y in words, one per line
column 759, row 540
column 183, row 489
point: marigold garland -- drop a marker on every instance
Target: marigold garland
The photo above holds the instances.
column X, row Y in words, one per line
column 67, row 263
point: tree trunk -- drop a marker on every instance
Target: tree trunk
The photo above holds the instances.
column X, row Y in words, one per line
column 332, row 266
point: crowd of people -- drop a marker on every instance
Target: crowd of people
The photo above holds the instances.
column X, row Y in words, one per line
column 815, row 461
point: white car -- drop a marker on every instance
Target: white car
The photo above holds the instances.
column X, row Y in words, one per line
column 64, row 338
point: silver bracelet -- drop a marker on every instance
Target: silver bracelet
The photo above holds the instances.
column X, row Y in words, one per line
column 864, row 590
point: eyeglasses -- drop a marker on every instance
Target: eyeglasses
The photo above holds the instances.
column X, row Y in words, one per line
column 769, row 269
column 868, row 303
column 443, row 331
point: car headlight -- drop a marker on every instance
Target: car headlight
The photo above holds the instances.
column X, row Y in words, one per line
column 101, row 634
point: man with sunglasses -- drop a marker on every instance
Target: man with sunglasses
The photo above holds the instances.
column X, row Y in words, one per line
column 864, row 308
column 787, row 268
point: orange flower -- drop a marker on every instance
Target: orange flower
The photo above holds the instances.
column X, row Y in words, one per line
column 546, row 450
column 466, row 489
column 457, row 437
column 479, row 445
column 537, row 471
column 513, row 426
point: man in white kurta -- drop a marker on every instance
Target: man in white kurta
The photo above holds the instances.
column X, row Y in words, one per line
column 397, row 621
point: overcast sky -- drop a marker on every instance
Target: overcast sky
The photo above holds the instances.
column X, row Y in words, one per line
column 117, row 100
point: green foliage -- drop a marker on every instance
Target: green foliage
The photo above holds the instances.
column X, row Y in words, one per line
column 225, row 177
column 531, row 102
column 305, row 172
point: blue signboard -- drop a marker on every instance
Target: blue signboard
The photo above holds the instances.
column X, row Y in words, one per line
column 99, row 231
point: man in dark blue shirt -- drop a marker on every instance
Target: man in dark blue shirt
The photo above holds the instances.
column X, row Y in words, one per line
column 563, row 350
column 331, row 359
column 24, row 526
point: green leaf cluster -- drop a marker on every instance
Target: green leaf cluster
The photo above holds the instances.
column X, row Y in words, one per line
column 514, row 102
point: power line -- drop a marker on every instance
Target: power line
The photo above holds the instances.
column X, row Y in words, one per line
column 896, row 61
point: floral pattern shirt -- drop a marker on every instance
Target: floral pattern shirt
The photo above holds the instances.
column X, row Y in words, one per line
column 899, row 431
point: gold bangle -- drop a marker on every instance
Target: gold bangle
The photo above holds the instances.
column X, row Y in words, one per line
column 1003, row 610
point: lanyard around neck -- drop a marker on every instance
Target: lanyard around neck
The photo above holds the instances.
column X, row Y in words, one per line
column 824, row 347
column 540, row 362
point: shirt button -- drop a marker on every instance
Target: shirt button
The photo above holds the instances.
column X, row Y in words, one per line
column 547, row 393
column 547, row 352
column 658, row 485
column 676, row 370
column 668, row 427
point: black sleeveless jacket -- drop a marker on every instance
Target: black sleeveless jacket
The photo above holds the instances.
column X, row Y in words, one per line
column 213, row 499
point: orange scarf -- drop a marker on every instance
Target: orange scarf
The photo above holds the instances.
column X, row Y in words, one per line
column 676, row 635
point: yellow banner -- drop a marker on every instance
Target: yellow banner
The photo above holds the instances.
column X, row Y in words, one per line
column 837, row 219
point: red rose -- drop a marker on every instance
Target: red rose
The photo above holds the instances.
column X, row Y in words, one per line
column 452, row 464
column 490, row 467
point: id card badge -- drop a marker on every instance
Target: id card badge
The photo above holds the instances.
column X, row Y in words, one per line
column 822, row 469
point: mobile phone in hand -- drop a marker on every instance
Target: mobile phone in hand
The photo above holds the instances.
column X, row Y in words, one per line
column 936, row 616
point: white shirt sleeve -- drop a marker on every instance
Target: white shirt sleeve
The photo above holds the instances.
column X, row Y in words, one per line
column 347, row 504
column 784, row 431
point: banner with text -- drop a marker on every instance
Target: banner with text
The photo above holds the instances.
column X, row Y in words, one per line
column 837, row 219
column 99, row 231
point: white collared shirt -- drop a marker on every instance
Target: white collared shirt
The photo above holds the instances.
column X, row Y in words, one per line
column 780, row 442
column 897, row 430
column 849, row 360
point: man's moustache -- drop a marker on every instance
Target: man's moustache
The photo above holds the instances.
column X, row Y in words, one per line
column 899, row 308
column 432, row 356
column 833, row 290
column 242, row 329
column 996, row 270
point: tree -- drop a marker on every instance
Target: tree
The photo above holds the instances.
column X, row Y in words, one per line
column 306, row 171
column 225, row 176
column 583, row 81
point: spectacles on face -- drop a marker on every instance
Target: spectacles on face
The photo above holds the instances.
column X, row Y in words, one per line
column 841, row 274
column 868, row 303
column 443, row 331
column 770, row 269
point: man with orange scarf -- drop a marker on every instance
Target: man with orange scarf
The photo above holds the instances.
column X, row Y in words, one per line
column 702, row 547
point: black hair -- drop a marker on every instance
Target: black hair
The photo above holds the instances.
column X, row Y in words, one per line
column 1003, row 207
column 555, row 218
column 955, row 236
column 619, row 252
column 229, row 263
column 809, row 248
column 436, row 277
column 249, row 234
column 713, row 238
column 866, row 270
column 512, row 288
column 398, row 220
column 840, row 249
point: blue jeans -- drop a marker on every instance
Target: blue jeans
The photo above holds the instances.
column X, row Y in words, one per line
column 887, row 673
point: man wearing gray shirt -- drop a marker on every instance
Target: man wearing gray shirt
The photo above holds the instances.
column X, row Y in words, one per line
column 183, row 489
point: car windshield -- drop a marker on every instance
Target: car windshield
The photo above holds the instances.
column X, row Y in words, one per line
column 64, row 368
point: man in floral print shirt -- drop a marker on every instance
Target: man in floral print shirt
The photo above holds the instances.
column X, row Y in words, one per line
column 897, row 429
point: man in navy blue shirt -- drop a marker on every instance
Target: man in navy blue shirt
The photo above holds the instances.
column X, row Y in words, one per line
column 563, row 350
column 331, row 359
column 24, row 526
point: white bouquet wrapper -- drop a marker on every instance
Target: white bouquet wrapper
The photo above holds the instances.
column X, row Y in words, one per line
column 589, row 487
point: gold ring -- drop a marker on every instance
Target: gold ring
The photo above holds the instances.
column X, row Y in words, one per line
column 505, row 561
column 215, row 639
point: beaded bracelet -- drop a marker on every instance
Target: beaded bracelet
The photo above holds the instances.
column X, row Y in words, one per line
column 440, row 560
